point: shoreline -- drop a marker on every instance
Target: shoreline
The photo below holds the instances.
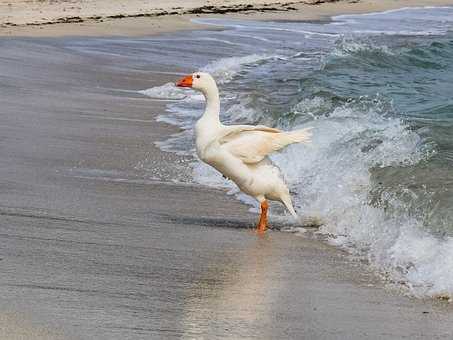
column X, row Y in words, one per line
column 135, row 20
column 123, row 245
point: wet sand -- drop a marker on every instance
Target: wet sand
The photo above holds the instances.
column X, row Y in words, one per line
column 98, row 242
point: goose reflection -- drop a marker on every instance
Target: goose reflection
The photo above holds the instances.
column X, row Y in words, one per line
column 234, row 300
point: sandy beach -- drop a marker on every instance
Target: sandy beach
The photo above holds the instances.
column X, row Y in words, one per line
column 98, row 239
column 138, row 17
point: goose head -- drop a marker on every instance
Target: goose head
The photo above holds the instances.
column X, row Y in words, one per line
column 204, row 83
column 200, row 81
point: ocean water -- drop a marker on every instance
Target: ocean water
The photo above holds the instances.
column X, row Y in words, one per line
column 378, row 90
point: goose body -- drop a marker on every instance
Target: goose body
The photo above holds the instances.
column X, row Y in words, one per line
column 240, row 152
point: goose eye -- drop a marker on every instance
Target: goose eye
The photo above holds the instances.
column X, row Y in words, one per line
column 198, row 76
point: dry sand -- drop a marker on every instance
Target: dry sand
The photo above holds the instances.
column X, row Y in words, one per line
column 140, row 17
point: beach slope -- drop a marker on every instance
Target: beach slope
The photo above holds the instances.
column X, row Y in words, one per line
column 137, row 17
column 93, row 248
column 105, row 237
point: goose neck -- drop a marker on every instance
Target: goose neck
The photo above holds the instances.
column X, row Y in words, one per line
column 212, row 104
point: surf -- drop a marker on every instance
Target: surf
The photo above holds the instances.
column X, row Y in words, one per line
column 376, row 88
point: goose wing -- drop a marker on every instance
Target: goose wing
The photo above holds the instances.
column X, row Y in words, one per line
column 253, row 143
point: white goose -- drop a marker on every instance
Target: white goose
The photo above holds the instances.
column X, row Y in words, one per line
column 240, row 152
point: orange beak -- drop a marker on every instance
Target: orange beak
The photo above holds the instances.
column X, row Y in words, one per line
column 185, row 82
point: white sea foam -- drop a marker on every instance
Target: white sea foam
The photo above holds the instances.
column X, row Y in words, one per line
column 190, row 102
column 401, row 21
column 346, row 47
column 415, row 12
column 332, row 180
column 333, row 177
column 226, row 68
column 167, row 91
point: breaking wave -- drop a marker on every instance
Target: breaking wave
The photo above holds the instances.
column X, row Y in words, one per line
column 378, row 172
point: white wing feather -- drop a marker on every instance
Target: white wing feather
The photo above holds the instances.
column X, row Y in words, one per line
column 253, row 143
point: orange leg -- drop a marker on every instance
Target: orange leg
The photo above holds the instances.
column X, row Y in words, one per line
column 262, row 224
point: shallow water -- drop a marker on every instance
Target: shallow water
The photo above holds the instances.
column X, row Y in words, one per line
column 377, row 89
